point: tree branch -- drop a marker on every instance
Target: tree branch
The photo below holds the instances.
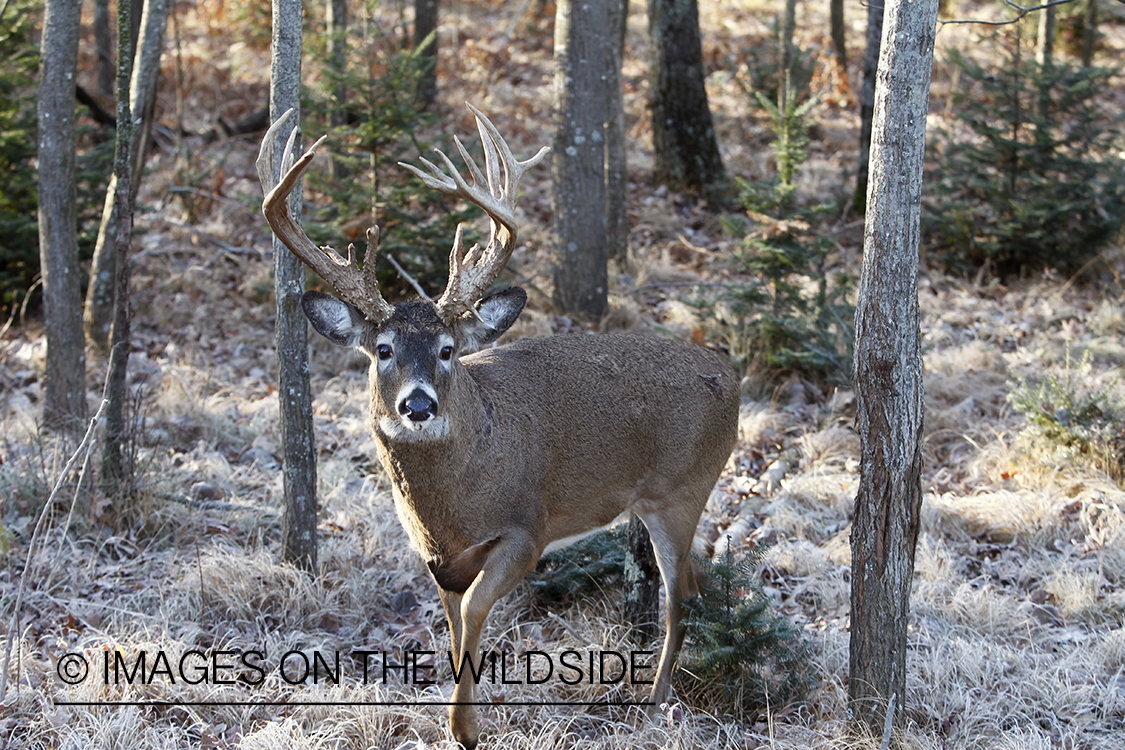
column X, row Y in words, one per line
column 1021, row 11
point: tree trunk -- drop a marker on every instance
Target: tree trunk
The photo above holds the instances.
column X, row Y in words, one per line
column 298, row 446
column 642, row 582
column 99, row 310
column 686, row 154
column 102, row 44
column 888, row 369
column 425, row 32
column 583, row 54
column 839, row 33
column 1089, row 32
column 336, row 19
column 115, row 472
column 788, row 26
column 616, row 183
column 867, row 101
column 1045, row 58
column 1045, row 39
column 64, row 388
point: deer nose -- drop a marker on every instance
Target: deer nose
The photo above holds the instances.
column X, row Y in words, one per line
column 418, row 406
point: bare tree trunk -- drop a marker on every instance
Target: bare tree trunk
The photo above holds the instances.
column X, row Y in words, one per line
column 867, row 100
column 888, row 369
column 336, row 19
column 1045, row 58
column 298, row 544
column 686, row 154
column 115, row 472
column 425, row 32
column 142, row 98
column 64, row 388
column 1045, row 40
column 582, row 56
column 616, row 184
column 788, row 26
column 1089, row 32
column 839, row 33
column 102, row 44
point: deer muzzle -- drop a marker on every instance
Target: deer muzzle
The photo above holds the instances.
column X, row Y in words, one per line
column 418, row 406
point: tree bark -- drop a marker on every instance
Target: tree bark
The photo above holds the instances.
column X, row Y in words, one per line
column 867, row 101
column 1045, row 38
column 298, row 445
column 115, row 472
column 583, row 53
column 888, row 369
column 1089, row 32
column 1045, row 58
column 838, row 31
column 616, row 182
column 64, row 388
column 99, row 310
column 425, row 25
column 102, row 44
column 686, row 154
column 336, row 19
column 788, row 26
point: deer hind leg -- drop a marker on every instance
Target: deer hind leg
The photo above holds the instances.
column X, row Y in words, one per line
column 509, row 558
column 672, row 544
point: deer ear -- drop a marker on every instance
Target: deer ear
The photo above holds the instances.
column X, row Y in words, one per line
column 497, row 313
column 334, row 319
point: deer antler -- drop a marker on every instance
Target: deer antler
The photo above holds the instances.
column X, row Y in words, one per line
column 359, row 288
column 472, row 272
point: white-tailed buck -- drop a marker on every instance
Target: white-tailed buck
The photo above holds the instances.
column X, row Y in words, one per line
column 496, row 454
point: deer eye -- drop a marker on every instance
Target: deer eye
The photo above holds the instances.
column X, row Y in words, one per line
column 446, row 353
column 384, row 352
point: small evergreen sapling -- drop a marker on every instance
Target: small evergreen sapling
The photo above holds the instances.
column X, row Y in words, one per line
column 739, row 651
column 793, row 315
column 589, row 565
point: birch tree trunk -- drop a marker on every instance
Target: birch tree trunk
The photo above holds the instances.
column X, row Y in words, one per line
column 867, row 100
column 583, row 54
column 298, row 446
column 64, row 387
column 888, row 369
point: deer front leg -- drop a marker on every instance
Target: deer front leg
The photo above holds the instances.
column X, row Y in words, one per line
column 508, row 561
column 451, row 601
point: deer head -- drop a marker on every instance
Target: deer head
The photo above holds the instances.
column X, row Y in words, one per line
column 412, row 347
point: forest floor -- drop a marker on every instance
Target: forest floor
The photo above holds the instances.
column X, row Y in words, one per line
column 1016, row 632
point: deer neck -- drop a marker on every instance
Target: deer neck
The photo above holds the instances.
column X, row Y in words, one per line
column 426, row 473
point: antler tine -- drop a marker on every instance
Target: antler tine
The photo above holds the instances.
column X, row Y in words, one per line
column 356, row 287
column 472, row 272
column 512, row 166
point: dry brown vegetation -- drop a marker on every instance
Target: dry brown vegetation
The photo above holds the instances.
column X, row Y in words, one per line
column 1016, row 633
